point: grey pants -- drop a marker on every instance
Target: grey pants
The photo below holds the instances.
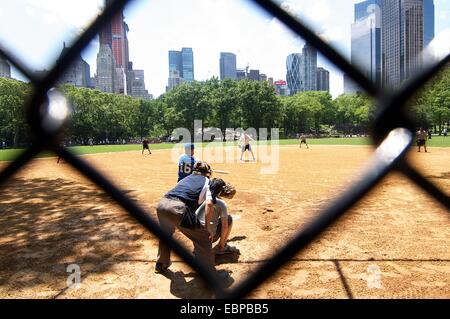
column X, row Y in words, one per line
column 170, row 212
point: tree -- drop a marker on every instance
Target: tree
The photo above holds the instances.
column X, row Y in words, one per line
column 431, row 106
column 13, row 98
column 259, row 107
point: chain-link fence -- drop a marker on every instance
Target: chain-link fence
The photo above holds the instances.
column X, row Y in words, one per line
column 392, row 131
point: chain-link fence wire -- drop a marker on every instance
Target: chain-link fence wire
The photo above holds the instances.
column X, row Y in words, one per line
column 392, row 131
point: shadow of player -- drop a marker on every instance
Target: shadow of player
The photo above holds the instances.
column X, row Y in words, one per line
column 237, row 238
column 191, row 286
column 228, row 258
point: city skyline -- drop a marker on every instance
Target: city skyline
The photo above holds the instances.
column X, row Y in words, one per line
column 303, row 74
column 388, row 39
column 256, row 38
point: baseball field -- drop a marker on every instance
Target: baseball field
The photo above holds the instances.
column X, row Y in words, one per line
column 393, row 244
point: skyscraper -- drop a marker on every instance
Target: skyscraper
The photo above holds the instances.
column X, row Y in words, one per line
column 227, row 65
column 137, row 85
column 323, row 80
column 175, row 61
column 5, row 69
column 253, row 75
column 366, row 39
column 308, row 68
column 105, row 35
column 366, row 8
column 175, row 68
column 187, row 64
column 114, row 35
column 78, row 73
column 181, row 67
column 402, row 40
column 293, row 72
column 175, row 79
column 428, row 22
column 106, row 71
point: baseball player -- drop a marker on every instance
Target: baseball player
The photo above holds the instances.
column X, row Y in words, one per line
column 177, row 211
column 245, row 144
column 220, row 222
column 186, row 161
column 421, row 139
column 302, row 140
column 145, row 146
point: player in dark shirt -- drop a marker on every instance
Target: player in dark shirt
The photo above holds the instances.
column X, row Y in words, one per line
column 145, row 146
column 186, row 161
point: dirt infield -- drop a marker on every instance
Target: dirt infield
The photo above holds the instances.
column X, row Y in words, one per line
column 394, row 244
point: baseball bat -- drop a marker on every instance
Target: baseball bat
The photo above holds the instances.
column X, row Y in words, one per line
column 221, row 172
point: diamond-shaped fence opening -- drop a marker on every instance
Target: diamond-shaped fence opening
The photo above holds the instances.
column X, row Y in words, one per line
column 392, row 132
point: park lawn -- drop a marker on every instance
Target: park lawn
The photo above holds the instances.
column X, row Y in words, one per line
column 10, row 154
column 439, row 141
column 331, row 141
column 435, row 141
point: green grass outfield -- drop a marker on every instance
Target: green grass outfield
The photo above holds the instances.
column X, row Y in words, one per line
column 10, row 154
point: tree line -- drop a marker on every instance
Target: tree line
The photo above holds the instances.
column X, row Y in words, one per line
column 223, row 104
column 430, row 106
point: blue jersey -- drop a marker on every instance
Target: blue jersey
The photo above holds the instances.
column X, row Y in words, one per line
column 185, row 166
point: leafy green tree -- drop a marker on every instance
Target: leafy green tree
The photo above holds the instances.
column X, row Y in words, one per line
column 13, row 98
column 259, row 107
column 431, row 105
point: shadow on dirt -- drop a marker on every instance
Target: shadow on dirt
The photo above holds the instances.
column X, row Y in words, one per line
column 191, row 286
column 48, row 224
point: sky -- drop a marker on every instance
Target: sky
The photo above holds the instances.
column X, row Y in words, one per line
column 35, row 30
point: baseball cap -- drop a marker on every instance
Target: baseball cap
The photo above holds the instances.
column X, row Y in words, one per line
column 189, row 145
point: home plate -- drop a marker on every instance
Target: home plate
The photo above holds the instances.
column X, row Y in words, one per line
column 236, row 217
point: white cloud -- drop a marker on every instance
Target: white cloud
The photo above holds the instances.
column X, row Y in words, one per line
column 443, row 15
column 77, row 14
column 29, row 11
column 440, row 46
column 50, row 18
column 319, row 11
column 333, row 34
